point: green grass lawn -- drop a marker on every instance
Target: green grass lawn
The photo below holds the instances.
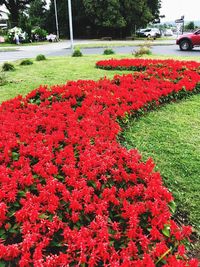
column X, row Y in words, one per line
column 170, row 135
column 51, row 71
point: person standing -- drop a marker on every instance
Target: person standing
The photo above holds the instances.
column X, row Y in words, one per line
column 17, row 39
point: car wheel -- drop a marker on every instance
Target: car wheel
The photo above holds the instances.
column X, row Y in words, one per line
column 185, row 45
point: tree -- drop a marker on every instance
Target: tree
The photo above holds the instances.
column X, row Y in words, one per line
column 80, row 19
column 122, row 14
column 154, row 6
column 37, row 13
column 113, row 17
column 15, row 7
column 105, row 13
column 62, row 17
column 190, row 26
column 136, row 12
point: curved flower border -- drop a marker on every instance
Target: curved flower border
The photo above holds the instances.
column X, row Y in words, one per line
column 71, row 195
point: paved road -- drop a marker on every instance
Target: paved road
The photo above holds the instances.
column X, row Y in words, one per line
column 63, row 49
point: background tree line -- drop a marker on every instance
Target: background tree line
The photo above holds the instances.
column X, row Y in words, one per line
column 91, row 18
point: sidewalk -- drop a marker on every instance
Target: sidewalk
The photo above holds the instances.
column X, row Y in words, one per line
column 86, row 44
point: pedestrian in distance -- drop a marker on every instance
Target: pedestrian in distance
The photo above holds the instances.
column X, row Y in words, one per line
column 17, row 39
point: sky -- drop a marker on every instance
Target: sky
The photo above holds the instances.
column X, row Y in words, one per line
column 174, row 9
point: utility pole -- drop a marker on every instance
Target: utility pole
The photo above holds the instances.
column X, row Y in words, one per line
column 70, row 25
column 56, row 16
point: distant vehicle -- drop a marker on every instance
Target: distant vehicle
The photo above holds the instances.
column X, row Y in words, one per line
column 188, row 41
column 149, row 33
column 168, row 32
column 52, row 38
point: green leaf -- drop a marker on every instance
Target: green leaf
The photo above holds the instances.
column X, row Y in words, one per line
column 43, row 216
column 3, row 237
column 166, row 230
column 55, row 244
column 13, row 231
column 21, row 193
column 2, row 232
column 172, row 206
column 2, row 264
column 15, row 156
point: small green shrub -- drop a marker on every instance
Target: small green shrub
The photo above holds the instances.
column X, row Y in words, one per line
column 40, row 57
column 3, row 79
column 77, row 53
column 144, row 49
column 26, row 62
column 108, row 51
column 8, row 67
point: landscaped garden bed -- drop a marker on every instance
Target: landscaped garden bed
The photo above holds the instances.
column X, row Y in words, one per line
column 71, row 195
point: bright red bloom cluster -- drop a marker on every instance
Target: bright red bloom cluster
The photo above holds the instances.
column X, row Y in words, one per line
column 71, row 195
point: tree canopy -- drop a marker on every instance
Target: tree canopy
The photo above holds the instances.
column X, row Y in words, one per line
column 37, row 13
column 15, row 7
column 90, row 17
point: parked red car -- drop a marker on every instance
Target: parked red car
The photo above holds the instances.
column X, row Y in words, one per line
column 188, row 41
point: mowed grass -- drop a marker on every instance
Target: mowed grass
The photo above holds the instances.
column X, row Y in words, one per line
column 169, row 135
column 52, row 71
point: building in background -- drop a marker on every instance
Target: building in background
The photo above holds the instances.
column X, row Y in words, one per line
column 3, row 18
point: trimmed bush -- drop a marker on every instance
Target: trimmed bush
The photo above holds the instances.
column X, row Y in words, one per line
column 8, row 67
column 108, row 51
column 40, row 57
column 77, row 53
column 26, row 62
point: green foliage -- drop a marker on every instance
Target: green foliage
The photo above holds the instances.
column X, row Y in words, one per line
column 166, row 230
column 63, row 18
column 40, row 32
column 40, row 57
column 25, row 25
column 172, row 206
column 77, row 53
column 106, row 15
column 190, row 26
column 144, row 49
column 15, row 8
column 8, row 67
column 26, row 62
column 108, row 51
column 138, row 13
column 37, row 13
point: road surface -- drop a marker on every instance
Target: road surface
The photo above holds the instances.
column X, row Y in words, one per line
column 63, row 49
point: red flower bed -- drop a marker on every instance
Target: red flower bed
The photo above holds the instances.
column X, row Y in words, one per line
column 71, row 195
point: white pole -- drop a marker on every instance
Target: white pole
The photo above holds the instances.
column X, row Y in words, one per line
column 70, row 25
column 56, row 16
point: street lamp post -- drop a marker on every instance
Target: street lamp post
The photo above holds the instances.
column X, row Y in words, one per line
column 70, row 25
column 56, row 16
